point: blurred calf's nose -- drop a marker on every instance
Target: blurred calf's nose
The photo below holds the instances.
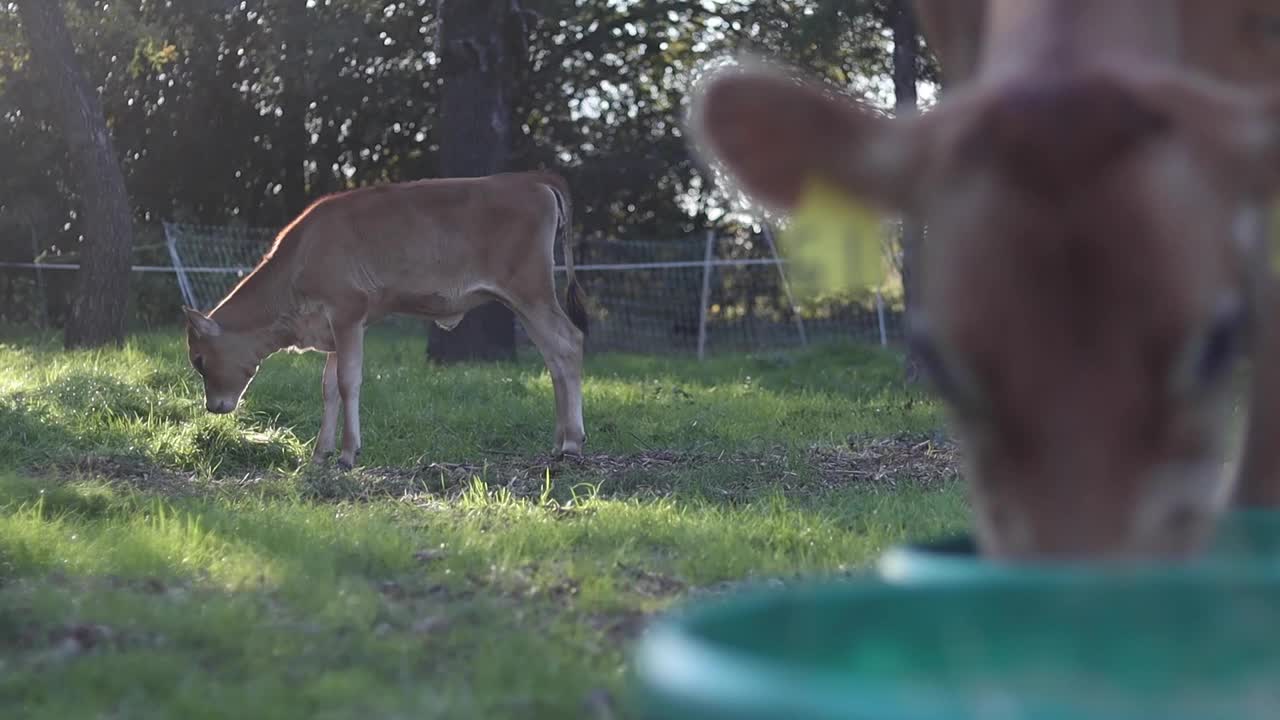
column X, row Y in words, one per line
column 221, row 407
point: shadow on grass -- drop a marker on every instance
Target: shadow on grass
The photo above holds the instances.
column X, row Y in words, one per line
column 145, row 404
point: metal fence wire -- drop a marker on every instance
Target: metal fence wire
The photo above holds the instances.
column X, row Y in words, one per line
column 701, row 294
column 709, row 294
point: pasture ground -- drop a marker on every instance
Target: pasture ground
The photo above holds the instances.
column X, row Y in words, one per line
column 160, row 562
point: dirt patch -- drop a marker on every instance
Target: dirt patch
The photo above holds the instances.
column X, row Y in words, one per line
column 890, row 462
column 131, row 472
column 35, row 645
column 887, row 461
column 620, row 628
column 135, row 474
column 752, row 583
column 526, row 476
column 650, row 584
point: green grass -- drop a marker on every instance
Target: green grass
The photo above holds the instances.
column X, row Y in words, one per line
column 146, row 402
column 157, row 561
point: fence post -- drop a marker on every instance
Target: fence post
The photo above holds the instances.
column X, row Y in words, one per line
column 706, row 293
column 183, row 284
column 786, row 287
column 43, row 292
column 884, row 338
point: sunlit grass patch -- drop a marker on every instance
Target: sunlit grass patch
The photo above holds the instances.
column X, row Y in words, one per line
column 144, row 402
column 159, row 561
column 488, row 606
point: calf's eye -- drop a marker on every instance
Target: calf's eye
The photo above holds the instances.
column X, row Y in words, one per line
column 1221, row 346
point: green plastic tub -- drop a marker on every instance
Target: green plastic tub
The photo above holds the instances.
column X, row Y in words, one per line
column 1247, row 538
column 1156, row 646
column 1249, row 535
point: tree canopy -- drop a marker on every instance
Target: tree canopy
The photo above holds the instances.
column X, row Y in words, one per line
column 211, row 102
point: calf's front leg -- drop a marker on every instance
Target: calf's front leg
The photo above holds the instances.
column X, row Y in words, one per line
column 350, row 343
column 327, row 438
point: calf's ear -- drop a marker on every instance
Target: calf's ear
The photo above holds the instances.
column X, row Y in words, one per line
column 777, row 136
column 203, row 325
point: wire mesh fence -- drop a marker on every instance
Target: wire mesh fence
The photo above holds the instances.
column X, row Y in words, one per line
column 711, row 294
column 701, row 294
column 208, row 261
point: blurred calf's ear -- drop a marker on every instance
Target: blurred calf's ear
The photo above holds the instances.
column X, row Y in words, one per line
column 778, row 137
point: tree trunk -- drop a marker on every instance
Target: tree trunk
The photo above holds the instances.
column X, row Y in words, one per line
column 477, row 60
column 903, row 26
column 953, row 28
column 293, row 107
column 102, row 292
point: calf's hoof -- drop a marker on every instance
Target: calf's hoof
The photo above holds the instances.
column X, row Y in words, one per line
column 571, row 449
column 321, row 458
column 347, row 460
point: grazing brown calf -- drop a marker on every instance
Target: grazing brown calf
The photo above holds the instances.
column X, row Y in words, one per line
column 1096, row 248
column 1238, row 42
column 432, row 248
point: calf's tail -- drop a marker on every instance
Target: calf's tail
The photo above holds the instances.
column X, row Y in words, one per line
column 575, row 297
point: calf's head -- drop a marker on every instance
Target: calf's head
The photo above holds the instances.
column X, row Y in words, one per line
column 226, row 360
column 1081, row 300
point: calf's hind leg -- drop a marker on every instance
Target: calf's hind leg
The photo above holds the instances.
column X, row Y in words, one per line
column 560, row 343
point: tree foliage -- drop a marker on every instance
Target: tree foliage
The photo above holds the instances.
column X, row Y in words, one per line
column 214, row 103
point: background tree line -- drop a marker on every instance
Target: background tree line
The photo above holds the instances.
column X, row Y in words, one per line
column 243, row 111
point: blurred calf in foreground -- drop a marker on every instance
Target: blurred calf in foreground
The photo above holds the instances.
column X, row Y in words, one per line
column 1234, row 41
column 1080, row 308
